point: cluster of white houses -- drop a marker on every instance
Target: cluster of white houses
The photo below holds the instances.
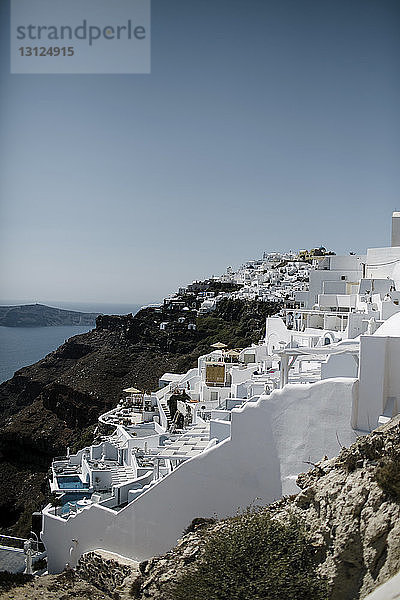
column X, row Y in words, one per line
column 239, row 427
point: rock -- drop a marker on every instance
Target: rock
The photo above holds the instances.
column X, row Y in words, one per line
column 107, row 574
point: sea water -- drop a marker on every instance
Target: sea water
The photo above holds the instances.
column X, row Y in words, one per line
column 22, row 346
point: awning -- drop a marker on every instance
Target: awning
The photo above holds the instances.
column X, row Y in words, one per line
column 219, row 345
column 232, row 353
column 353, row 348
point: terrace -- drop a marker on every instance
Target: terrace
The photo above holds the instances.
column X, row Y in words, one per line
column 122, row 466
column 191, row 443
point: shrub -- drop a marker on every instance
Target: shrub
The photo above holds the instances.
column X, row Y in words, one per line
column 369, row 448
column 198, row 523
column 135, row 587
column 10, row 580
column 387, row 476
column 253, row 557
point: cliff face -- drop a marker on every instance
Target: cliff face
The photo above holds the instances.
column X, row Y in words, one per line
column 55, row 403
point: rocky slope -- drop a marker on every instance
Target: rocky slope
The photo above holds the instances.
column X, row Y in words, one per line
column 66, row 586
column 39, row 315
column 55, row 403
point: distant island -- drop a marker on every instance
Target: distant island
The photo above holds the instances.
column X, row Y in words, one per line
column 39, row 315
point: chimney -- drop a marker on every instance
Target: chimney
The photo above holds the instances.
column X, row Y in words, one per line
column 396, row 229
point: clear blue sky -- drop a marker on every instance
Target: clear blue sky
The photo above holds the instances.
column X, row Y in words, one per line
column 264, row 125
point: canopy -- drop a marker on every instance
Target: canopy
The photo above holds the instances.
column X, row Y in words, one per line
column 219, row 345
column 133, row 390
column 352, row 347
column 232, row 353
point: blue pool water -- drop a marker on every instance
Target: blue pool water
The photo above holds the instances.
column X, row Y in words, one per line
column 71, row 498
column 71, row 483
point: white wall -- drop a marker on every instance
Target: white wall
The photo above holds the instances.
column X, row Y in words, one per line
column 150, row 441
column 301, row 296
column 381, row 286
column 220, row 429
column 339, row 365
column 105, row 448
column 382, row 262
column 256, row 388
column 205, row 395
column 334, row 287
column 240, row 390
column 346, row 262
column 307, row 421
column 387, row 309
column 103, row 478
column 335, row 323
column 121, row 491
column 275, row 332
column 192, row 377
column 391, row 400
column 271, row 440
column 355, row 325
column 318, row 279
column 239, row 375
column 379, row 379
column 337, row 300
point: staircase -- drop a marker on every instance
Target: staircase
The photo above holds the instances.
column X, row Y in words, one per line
column 167, row 413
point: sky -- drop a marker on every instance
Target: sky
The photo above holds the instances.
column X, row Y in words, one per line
column 264, row 125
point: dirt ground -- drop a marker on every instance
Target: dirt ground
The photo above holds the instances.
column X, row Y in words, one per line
column 66, row 586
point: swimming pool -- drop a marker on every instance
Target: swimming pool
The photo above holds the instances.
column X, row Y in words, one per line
column 71, row 483
column 71, row 498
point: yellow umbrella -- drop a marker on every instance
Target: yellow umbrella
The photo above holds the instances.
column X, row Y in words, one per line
column 132, row 390
column 219, row 345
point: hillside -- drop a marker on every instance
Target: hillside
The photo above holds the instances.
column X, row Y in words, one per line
column 55, row 403
column 39, row 315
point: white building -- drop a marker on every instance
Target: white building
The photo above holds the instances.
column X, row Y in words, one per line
column 254, row 418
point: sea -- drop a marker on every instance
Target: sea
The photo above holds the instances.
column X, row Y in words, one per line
column 22, row 346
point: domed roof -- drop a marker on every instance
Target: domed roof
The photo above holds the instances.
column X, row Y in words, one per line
column 390, row 328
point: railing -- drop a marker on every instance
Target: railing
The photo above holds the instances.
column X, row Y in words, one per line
column 14, row 543
column 8, row 542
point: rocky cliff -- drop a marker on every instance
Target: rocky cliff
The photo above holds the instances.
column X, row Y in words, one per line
column 55, row 403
